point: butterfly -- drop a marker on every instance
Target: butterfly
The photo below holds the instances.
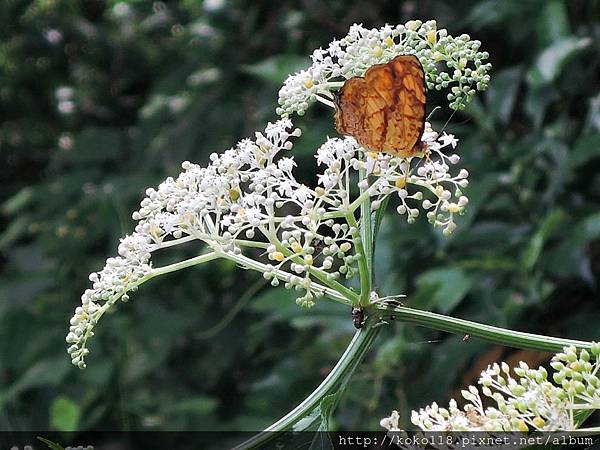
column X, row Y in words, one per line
column 385, row 110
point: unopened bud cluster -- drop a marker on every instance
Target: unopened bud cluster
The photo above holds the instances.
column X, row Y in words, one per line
column 120, row 275
column 465, row 72
column 523, row 398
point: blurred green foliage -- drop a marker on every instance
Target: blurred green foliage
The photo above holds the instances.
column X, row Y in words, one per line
column 100, row 99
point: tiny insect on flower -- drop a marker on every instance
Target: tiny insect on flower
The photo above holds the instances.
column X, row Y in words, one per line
column 358, row 317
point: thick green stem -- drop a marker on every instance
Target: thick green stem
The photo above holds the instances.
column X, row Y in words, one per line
column 344, row 368
column 490, row 333
column 363, row 267
column 366, row 234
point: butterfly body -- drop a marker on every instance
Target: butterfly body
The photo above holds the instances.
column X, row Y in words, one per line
column 385, row 110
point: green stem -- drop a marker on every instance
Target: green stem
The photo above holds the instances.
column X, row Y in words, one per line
column 490, row 333
column 364, row 195
column 344, row 368
column 179, row 265
column 363, row 267
column 333, row 294
column 366, row 234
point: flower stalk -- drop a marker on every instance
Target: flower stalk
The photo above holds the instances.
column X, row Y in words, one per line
column 366, row 238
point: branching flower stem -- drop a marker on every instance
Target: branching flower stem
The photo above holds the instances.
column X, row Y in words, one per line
column 365, row 195
column 363, row 339
column 319, row 274
column 249, row 263
column 204, row 258
column 418, row 317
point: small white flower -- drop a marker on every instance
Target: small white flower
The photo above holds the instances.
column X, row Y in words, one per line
column 391, row 423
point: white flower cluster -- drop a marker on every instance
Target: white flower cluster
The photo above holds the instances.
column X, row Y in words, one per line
column 352, row 55
column 247, row 206
column 247, row 197
column 443, row 198
column 120, row 275
column 529, row 401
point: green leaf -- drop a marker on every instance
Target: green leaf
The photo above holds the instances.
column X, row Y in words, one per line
column 276, row 68
column 482, row 118
column 45, row 372
column 276, row 300
column 502, row 93
column 553, row 22
column 442, row 289
column 18, row 201
column 585, row 149
column 377, row 219
column 537, row 100
column 50, row 444
column 491, row 13
column 14, row 231
column 534, row 249
column 64, row 414
column 551, row 61
column 571, row 256
column 593, row 117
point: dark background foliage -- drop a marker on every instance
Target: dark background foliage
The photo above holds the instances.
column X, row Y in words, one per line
column 100, row 99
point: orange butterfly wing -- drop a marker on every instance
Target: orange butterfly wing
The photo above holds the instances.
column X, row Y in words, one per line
column 359, row 112
column 385, row 110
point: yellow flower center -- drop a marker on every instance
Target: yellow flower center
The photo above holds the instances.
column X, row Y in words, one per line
column 431, row 36
column 538, row 422
column 400, row 183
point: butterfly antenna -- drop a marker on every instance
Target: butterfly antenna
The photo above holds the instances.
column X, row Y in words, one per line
column 416, row 166
column 451, row 115
column 432, row 111
column 448, row 121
